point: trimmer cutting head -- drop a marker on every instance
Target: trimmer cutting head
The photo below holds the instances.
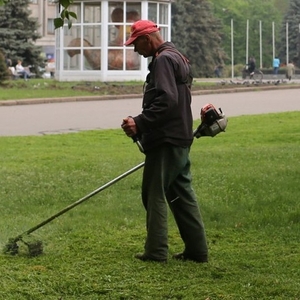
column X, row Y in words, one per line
column 35, row 247
column 11, row 247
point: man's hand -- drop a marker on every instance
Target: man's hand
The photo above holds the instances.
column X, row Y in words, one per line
column 129, row 126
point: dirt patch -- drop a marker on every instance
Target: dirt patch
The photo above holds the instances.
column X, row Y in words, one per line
column 109, row 89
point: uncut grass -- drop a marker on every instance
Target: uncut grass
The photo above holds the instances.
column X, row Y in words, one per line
column 50, row 88
column 247, row 182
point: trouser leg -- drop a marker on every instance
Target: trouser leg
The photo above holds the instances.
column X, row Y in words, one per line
column 161, row 168
column 167, row 176
column 153, row 197
column 183, row 203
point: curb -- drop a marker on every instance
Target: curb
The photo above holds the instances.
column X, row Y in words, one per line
column 132, row 96
column 67, row 99
column 246, row 89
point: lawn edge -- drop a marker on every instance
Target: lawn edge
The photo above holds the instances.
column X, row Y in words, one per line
column 133, row 96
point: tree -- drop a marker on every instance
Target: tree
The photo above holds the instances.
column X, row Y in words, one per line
column 18, row 31
column 255, row 11
column 195, row 32
column 3, row 68
column 65, row 14
column 282, row 6
column 292, row 18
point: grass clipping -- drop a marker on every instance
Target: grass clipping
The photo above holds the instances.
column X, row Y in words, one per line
column 31, row 247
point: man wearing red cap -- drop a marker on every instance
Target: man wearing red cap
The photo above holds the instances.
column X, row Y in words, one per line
column 164, row 129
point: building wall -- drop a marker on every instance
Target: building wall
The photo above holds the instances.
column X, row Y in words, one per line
column 45, row 12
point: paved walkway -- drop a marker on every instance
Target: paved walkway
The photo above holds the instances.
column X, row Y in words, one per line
column 64, row 117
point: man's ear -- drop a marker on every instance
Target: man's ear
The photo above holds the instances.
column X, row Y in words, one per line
column 147, row 38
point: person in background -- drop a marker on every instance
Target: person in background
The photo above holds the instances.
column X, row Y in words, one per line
column 21, row 70
column 8, row 62
column 290, row 70
column 251, row 66
column 164, row 129
column 276, row 65
column 217, row 71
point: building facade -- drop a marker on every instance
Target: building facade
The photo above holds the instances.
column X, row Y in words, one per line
column 45, row 11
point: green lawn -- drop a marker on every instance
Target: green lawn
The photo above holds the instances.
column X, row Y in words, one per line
column 50, row 88
column 41, row 88
column 247, row 182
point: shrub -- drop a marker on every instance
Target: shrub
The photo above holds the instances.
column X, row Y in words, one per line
column 237, row 70
column 3, row 68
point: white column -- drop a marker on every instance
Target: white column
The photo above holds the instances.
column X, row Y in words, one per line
column 82, row 37
column 260, row 42
column 59, row 61
column 104, row 40
column 169, row 22
column 232, row 51
column 247, row 41
column 273, row 38
column 287, row 42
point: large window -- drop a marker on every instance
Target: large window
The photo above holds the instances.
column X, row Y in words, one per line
column 122, row 15
column 152, row 12
column 92, row 13
column 82, row 42
column 50, row 26
column 163, row 14
column 95, row 42
column 159, row 13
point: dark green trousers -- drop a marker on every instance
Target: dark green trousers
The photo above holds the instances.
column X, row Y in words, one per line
column 167, row 181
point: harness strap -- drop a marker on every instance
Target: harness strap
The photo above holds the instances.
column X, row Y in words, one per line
column 189, row 78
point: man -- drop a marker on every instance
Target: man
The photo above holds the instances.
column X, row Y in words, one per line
column 276, row 65
column 164, row 128
column 251, row 66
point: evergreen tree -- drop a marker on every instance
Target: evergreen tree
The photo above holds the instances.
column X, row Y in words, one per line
column 3, row 68
column 18, row 31
column 292, row 18
column 282, row 6
column 195, row 32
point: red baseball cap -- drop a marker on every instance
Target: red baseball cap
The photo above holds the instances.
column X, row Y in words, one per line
column 139, row 28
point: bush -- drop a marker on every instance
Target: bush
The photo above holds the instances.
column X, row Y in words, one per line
column 3, row 68
column 228, row 69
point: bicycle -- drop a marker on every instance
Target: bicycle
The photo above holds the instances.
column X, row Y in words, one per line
column 257, row 76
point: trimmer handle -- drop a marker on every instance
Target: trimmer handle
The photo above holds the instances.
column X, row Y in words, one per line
column 135, row 137
column 137, row 141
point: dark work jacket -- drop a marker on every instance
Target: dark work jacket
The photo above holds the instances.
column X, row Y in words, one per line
column 166, row 116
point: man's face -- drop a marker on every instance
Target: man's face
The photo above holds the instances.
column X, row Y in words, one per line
column 142, row 46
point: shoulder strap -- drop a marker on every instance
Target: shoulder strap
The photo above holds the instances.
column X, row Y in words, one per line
column 170, row 49
column 189, row 78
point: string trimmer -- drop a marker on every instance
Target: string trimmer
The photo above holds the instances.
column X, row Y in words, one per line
column 36, row 248
column 212, row 123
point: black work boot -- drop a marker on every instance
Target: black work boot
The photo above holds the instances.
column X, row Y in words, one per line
column 145, row 257
column 184, row 256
